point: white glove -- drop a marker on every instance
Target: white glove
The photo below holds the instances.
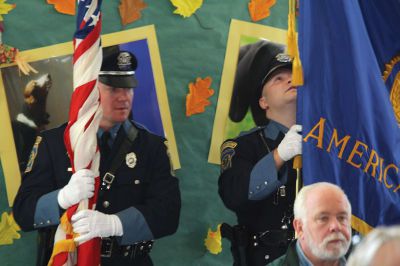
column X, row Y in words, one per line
column 79, row 187
column 90, row 224
column 290, row 146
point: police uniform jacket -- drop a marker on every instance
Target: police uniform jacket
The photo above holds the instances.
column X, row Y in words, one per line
column 145, row 197
column 250, row 184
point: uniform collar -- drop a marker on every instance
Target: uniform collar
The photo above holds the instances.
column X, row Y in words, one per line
column 126, row 125
column 273, row 129
column 113, row 131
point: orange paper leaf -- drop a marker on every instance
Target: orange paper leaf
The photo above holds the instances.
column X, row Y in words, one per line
column 197, row 99
column 63, row 6
column 129, row 10
column 259, row 9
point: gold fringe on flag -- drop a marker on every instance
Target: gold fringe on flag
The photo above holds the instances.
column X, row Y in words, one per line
column 61, row 246
column 66, row 225
column 292, row 46
column 66, row 245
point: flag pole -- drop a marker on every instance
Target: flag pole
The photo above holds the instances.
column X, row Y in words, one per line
column 297, row 76
column 298, row 164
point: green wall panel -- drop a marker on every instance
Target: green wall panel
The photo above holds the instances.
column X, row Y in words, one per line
column 187, row 51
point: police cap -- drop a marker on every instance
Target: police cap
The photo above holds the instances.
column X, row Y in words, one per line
column 281, row 60
column 118, row 68
column 256, row 63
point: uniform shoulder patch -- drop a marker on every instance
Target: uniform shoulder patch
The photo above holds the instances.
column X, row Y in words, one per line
column 33, row 154
column 228, row 144
column 227, row 153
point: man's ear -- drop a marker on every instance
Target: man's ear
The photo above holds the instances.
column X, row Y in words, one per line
column 298, row 227
column 263, row 103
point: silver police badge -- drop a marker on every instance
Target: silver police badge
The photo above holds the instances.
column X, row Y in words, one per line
column 124, row 60
column 131, row 160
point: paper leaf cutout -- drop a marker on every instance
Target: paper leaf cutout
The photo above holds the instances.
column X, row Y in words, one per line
column 186, row 8
column 64, row 6
column 197, row 99
column 129, row 10
column 8, row 229
column 24, row 66
column 10, row 54
column 213, row 241
column 259, row 9
column 5, row 8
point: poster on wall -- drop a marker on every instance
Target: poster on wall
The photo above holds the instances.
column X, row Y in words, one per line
column 240, row 34
column 41, row 101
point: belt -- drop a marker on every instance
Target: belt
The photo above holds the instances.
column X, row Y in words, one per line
column 111, row 248
column 277, row 238
column 239, row 235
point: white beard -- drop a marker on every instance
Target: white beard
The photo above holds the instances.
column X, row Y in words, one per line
column 321, row 250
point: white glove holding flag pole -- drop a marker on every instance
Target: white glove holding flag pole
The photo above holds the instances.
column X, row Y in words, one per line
column 90, row 224
column 79, row 187
column 290, row 146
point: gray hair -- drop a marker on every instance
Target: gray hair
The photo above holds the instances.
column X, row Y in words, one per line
column 366, row 250
column 300, row 208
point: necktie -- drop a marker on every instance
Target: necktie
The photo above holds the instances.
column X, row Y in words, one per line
column 104, row 147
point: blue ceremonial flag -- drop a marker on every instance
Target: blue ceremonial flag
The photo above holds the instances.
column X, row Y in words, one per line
column 350, row 103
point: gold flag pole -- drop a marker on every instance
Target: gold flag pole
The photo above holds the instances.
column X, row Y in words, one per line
column 298, row 164
column 297, row 76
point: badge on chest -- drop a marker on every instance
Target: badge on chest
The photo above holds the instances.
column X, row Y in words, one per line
column 131, row 160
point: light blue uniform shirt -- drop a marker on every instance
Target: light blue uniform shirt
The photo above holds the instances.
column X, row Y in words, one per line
column 265, row 179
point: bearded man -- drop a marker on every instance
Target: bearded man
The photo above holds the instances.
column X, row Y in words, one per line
column 322, row 218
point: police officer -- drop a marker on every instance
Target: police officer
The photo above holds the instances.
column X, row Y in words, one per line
column 139, row 199
column 257, row 181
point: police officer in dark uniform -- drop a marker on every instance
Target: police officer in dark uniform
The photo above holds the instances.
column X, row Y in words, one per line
column 257, row 181
column 139, row 199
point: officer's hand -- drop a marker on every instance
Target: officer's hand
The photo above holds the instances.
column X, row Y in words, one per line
column 90, row 224
column 79, row 187
column 290, row 146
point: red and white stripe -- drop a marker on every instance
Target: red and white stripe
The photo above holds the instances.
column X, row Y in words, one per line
column 80, row 135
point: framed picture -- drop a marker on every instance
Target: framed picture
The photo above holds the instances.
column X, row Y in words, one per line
column 240, row 33
column 41, row 101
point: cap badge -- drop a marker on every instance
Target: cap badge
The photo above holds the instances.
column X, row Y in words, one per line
column 124, row 60
column 283, row 58
column 131, row 160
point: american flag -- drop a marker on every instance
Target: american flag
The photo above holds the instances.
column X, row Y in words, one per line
column 80, row 135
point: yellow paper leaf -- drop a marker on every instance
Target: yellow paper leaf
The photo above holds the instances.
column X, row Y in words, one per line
column 23, row 65
column 5, row 8
column 186, row 8
column 260, row 9
column 8, row 229
column 130, row 10
column 213, row 241
column 63, row 6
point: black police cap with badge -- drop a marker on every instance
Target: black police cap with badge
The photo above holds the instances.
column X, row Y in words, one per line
column 118, row 68
column 256, row 63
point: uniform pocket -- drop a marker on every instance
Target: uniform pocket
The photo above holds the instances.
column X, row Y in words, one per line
column 130, row 186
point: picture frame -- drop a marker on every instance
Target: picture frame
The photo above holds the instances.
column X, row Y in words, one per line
column 240, row 33
column 150, row 104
